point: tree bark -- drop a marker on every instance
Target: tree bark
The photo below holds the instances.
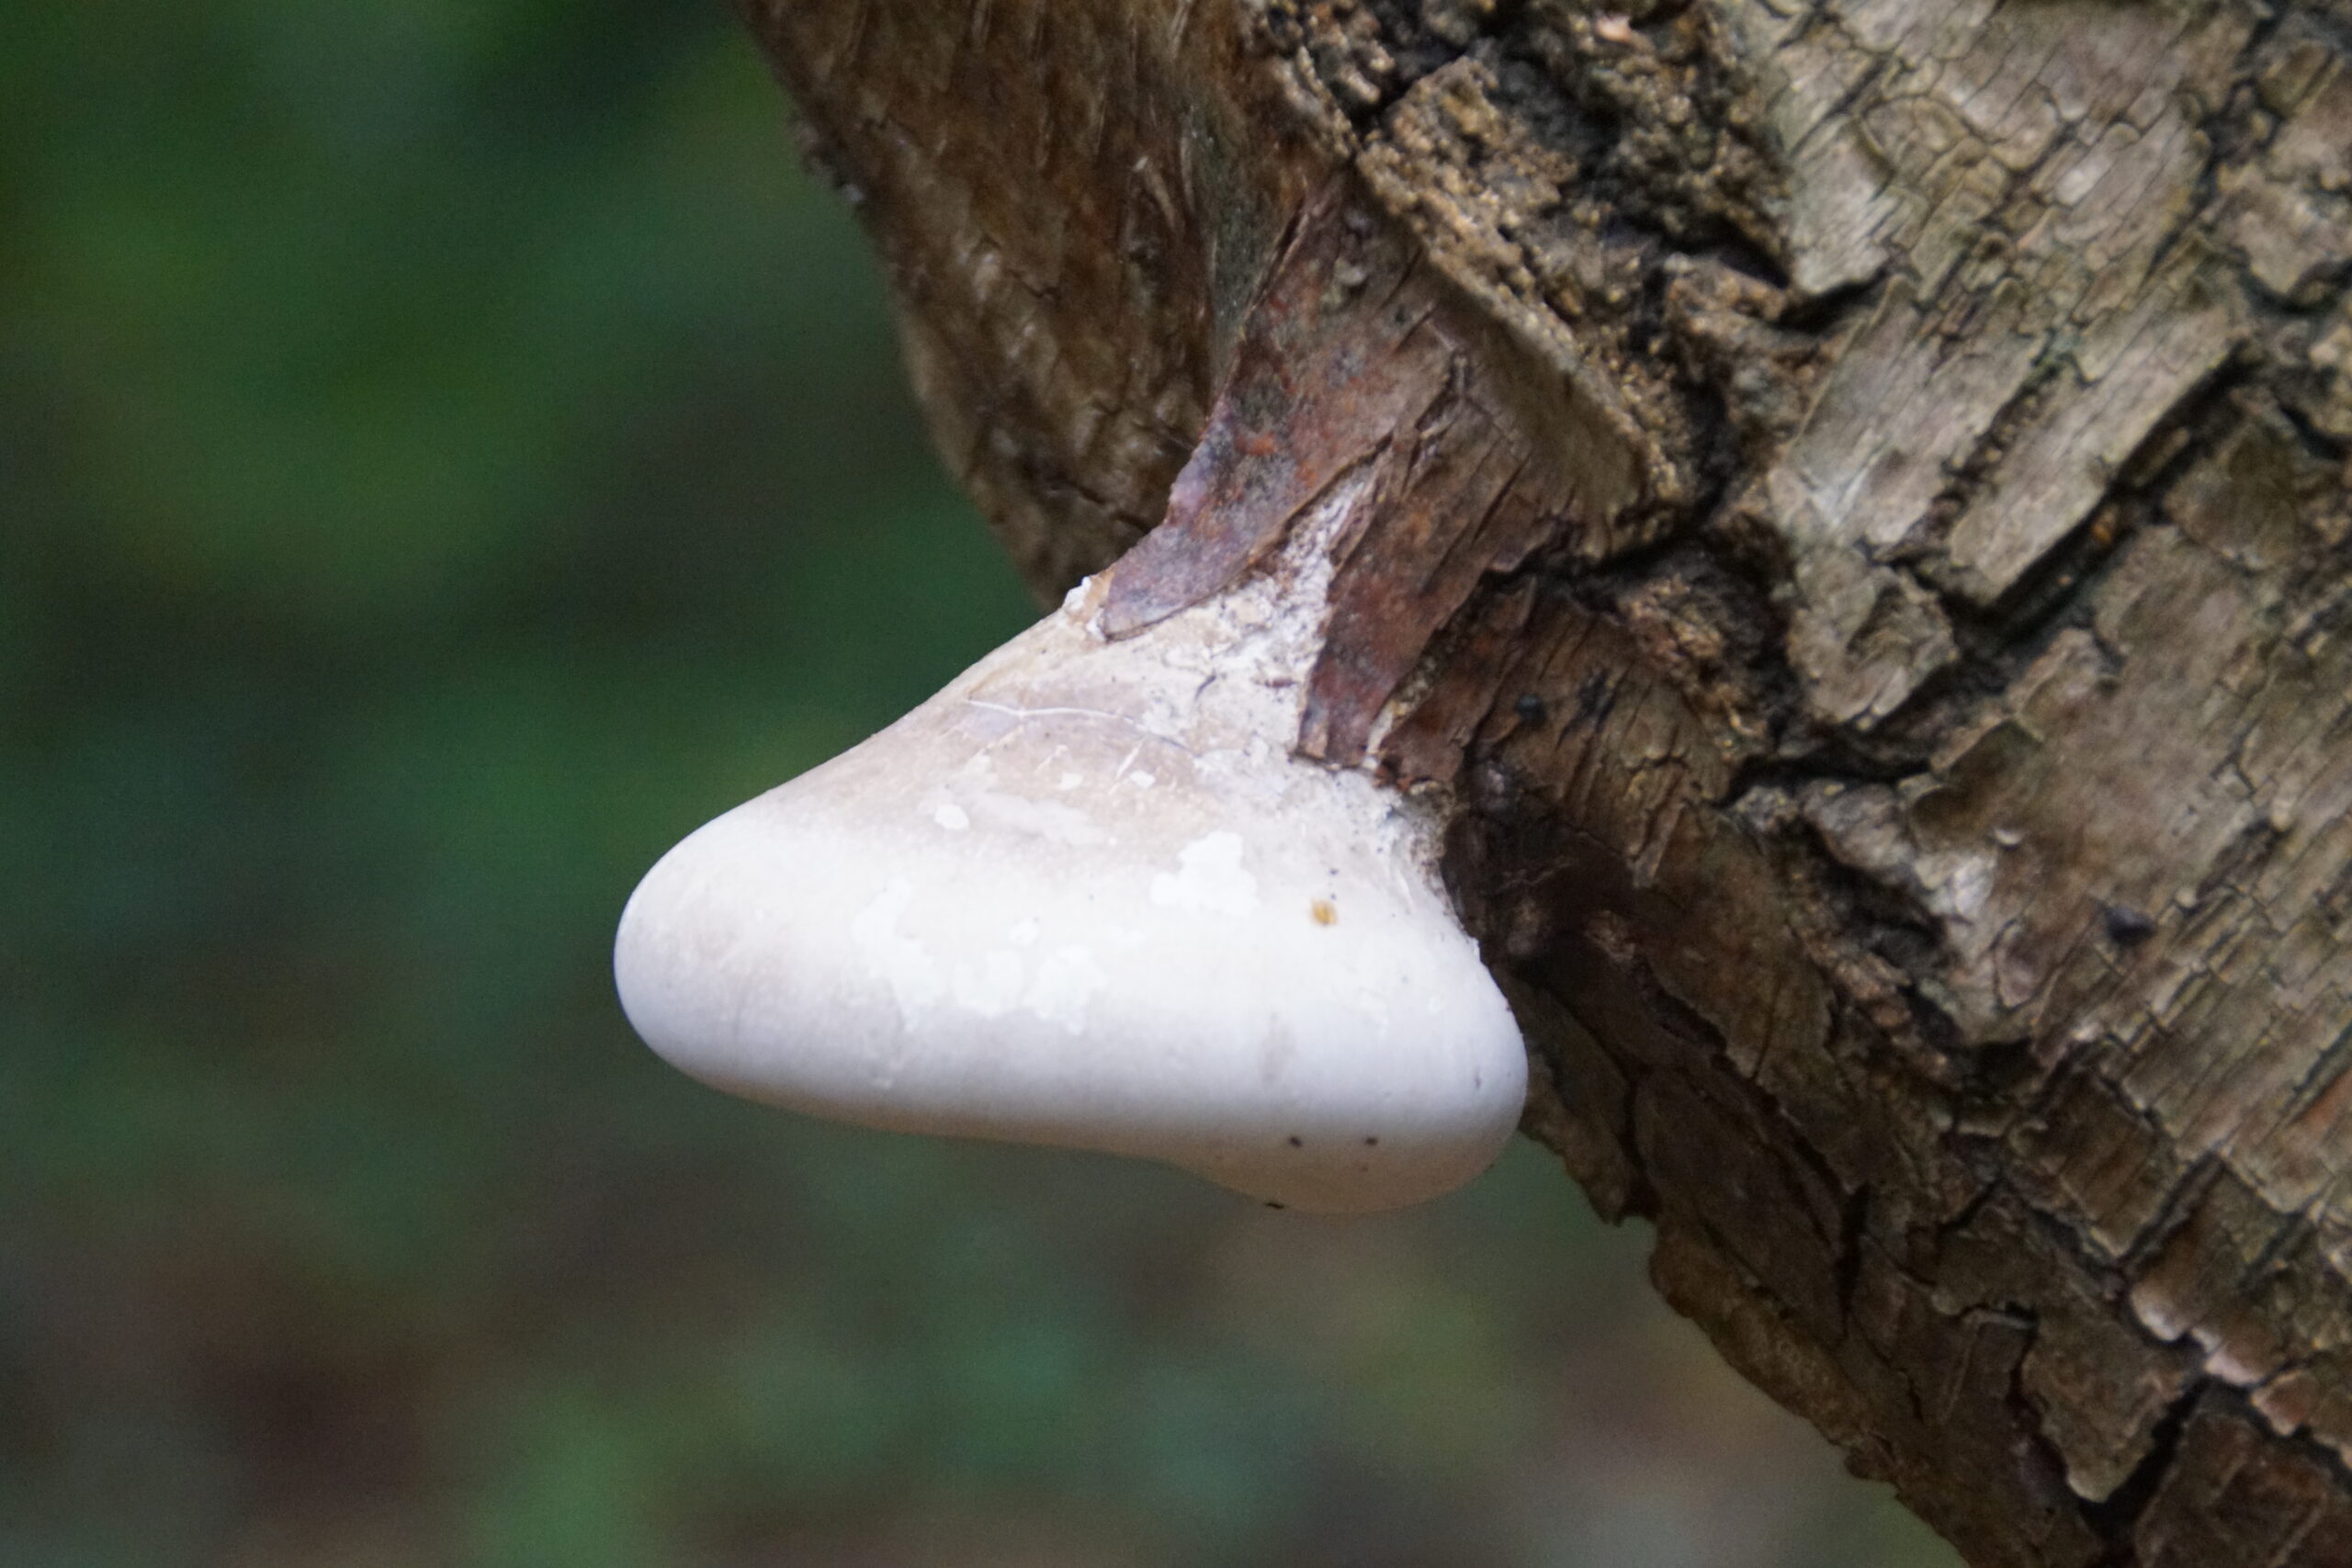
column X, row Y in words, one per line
column 1859, row 543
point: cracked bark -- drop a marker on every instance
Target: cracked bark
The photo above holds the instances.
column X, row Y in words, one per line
column 1857, row 536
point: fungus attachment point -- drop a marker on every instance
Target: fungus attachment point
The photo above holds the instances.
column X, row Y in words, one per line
column 1062, row 903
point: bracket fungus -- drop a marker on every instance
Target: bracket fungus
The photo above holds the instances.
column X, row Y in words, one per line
column 1088, row 896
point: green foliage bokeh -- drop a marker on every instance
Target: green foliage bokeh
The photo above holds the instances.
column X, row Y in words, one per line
column 447, row 450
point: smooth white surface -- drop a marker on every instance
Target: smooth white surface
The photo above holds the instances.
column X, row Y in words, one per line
column 1085, row 898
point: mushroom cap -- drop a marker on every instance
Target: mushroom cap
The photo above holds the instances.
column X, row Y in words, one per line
column 1071, row 901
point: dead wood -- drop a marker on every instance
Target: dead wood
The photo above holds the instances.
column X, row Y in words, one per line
column 1859, row 539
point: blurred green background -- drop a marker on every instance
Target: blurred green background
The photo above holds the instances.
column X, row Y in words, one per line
column 447, row 450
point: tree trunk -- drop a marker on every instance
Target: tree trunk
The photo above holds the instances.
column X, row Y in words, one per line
column 1858, row 540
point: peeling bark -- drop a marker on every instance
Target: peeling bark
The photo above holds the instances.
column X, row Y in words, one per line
column 1859, row 538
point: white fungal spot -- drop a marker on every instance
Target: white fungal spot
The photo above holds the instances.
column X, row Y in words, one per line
column 1210, row 879
column 1142, row 780
column 952, row 817
column 1065, row 980
column 992, row 987
column 898, row 962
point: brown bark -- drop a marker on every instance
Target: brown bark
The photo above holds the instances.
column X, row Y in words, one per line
column 1860, row 540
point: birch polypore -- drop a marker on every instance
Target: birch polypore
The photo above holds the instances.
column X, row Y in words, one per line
column 1088, row 896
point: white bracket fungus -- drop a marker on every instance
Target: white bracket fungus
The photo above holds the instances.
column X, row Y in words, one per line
column 1086, row 896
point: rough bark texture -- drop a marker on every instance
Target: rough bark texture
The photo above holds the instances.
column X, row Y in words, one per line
column 1860, row 538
